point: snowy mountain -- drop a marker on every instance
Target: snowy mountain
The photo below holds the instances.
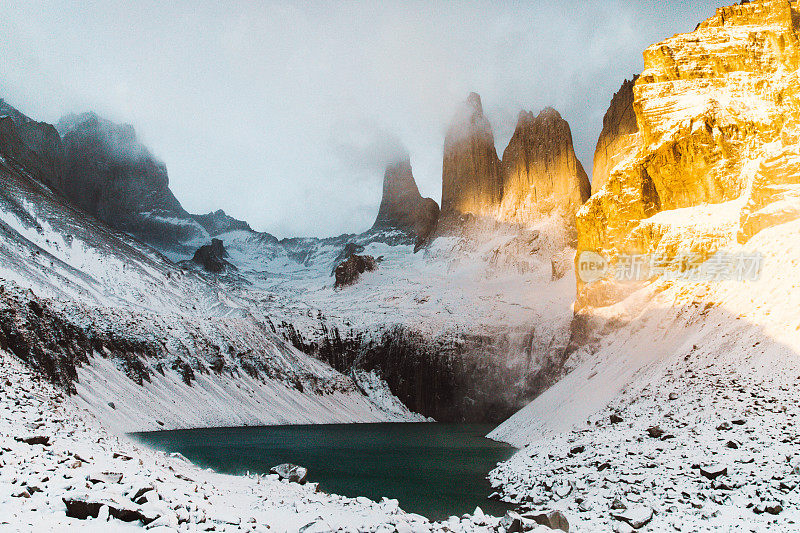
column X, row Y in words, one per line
column 657, row 396
column 117, row 323
column 442, row 320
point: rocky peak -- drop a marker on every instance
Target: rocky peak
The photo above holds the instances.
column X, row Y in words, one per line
column 474, row 101
column 115, row 143
column 471, row 169
column 618, row 139
column 111, row 175
column 219, row 222
column 540, row 172
column 36, row 145
column 402, row 206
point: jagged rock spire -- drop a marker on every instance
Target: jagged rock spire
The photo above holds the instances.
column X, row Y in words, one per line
column 617, row 140
column 402, row 206
column 471, row 169
column 540, row 172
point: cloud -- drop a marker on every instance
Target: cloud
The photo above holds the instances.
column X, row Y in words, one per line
column 282, row 113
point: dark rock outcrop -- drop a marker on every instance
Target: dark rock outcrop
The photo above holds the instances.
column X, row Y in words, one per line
column 451, row 377
column 349, row 271
column 553, row 520
column 54, row 346
column 349, row 249
column 615, row 142
column 403, row 207
column 83, row 506
column 212, row 256
column 540, row 172
column 112, row 176
column 471, row 169
column 31, row 145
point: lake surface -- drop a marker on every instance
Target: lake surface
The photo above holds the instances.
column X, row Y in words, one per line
column 436, row 470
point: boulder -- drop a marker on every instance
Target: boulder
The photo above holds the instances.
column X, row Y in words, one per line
column 83, row 506
column 317, row 526
column 655, row 432
column 349, row 271
column 44, row 440
column 636, row 517
column 714, row 471
column 553, row 520
column 212, row 256
column 512, row 522
column 290, row 472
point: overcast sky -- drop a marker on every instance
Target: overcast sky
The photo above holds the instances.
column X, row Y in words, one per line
column 278, row 112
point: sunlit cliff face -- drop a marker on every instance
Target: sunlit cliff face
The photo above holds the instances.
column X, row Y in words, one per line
column 471, row 169
column 540, row 171
column 717, row 112
column 538, row 175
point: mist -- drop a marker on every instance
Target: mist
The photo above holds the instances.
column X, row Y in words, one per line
column 285, row 113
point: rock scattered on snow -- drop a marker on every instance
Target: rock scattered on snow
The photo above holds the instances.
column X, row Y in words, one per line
column 290, row 472
column 655, row 432
column 713, row 471
column 86, row 473
column 553, row 520
column 349, row 271
column 636, row 517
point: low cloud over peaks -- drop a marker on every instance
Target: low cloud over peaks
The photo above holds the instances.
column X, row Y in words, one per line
column 273, row 109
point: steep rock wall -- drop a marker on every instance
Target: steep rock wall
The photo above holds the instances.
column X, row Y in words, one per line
column 471, row 169
column 455, row 376
column 111, row 175
column 540, row 172
column 402, row 206
column 717, row 111
column 618, row 139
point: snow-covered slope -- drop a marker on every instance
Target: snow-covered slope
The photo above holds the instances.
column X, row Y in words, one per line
column 679, row 409
column 54, row 452
column 87, row 305
column 715, row 366
column 471, row 327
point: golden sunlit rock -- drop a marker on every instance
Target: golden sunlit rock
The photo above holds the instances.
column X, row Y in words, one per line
column 618, row 140
column 714, row 154
column 538, row 176
column 540, row 172
column 471, row 168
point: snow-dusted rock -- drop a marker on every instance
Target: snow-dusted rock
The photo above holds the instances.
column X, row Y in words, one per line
column 290, row 472
column 637, row 517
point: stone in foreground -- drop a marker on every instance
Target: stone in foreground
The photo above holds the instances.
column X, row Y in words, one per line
column 290, row 472
column 636, row 517
column 553, row 520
